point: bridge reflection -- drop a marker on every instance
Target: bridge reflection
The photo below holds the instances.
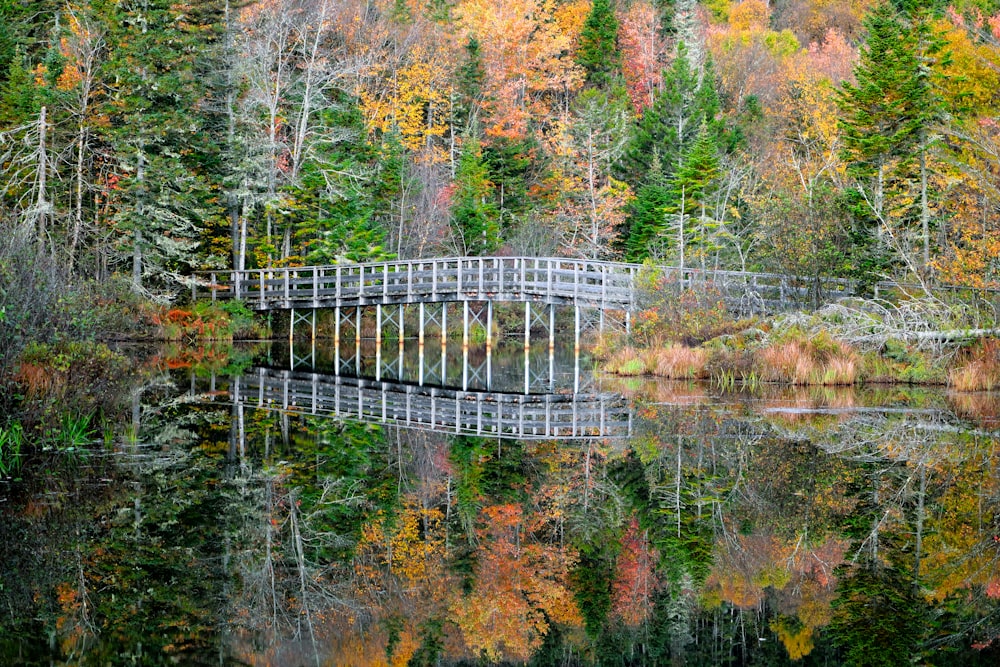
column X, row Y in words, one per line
column 503, row 392
column 530, row 416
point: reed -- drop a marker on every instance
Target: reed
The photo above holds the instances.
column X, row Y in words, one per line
column 981, row 369
column 809, row 361
column 677, row 362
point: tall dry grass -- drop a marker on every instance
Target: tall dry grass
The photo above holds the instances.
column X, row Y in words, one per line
column 809, row 361
column 981, row 369
column 677, row 362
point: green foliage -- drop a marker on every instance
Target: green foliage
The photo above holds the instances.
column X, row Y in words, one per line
column 475, row 216
column 670, row 125
column 11, row 439
column 887, row 119
column 597, row 51
column 879, row 619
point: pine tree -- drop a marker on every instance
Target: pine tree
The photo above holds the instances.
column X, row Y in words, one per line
column 475, row 217
column 692, row 189
column 885, row 121
column 672, row 122
column 598, row 52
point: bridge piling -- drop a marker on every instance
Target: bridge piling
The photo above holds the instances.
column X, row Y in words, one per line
column 552, row 328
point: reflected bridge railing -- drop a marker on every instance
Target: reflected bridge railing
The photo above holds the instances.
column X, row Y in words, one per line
column 592, row 415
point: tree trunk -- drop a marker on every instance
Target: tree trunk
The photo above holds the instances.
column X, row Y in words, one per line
column 41, row 204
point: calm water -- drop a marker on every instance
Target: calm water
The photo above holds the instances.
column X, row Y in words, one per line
column 211, row 525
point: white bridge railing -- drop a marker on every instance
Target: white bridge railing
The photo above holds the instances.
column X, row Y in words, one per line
column 605, row 285
column 548, row 280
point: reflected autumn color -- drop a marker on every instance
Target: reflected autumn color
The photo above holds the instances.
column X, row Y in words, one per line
column 769, row 526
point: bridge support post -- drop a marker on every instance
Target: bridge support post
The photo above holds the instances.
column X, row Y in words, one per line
column 576, row 330
column 291, row 329
column 399, row 371
column 402, row 333
column 444, row 357
column 552, row 328
column 576, row 370
column 336, row 338
column 378, row 343
column 357, row 327
column 420, row 328
column 420, row 366
column 444, row 324
column 527, row 371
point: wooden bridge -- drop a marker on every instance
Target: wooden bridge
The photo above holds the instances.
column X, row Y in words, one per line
column 552, row 281
column 482, row 413
column 546, row 282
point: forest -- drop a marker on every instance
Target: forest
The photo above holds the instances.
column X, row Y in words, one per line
column 142, row 140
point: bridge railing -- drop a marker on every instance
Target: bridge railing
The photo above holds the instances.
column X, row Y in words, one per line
column 590, row 283
column 586, row 282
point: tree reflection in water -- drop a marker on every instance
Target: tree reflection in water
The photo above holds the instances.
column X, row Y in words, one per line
column 825, row 527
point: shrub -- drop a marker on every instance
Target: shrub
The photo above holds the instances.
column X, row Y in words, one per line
column 672, row 313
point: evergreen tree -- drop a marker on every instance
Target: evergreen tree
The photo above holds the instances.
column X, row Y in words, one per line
column 647, row 217
column 598, row 52
column 475, row 217
column 673, row 121
column 469, row 85
column 885, row 121
column 691, row 189
column 157, row 134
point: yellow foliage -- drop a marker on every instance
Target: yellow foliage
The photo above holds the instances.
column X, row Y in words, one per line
column 798, row 641
column 750, row 16
column 416, row 105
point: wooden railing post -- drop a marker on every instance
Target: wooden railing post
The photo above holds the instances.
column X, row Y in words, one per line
column 214, row 286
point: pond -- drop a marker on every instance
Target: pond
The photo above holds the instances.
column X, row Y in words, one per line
column 269, row 506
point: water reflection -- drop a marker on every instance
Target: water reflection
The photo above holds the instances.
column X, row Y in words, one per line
column 828, row 527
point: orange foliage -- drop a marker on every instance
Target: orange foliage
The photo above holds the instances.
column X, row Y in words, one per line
column 644, row 53
column 520, row 586
column 635, row 577
column 527, row 60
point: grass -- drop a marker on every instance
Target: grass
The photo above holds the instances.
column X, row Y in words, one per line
column 11, row 439
column 980, row 368
column 814, row 360
column 677, row 362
